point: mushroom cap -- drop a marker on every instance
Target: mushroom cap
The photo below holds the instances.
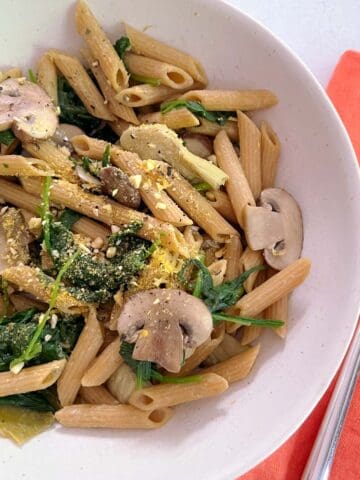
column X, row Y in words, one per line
column 27, row 109
column 162, row 322
column 289, row 248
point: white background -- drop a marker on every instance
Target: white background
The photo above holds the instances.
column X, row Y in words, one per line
column 319, row 31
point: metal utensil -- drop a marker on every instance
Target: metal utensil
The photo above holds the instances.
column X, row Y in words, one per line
column 322, row 455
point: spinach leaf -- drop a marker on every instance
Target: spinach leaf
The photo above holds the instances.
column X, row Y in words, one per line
column 106, row 156
column 41, row 401
column 7, row 137
column 69, row 217
column 155, row 82
column 197, row 109
column 202, row 187
column 32, row 76
column 146, row 371
column 121, row 46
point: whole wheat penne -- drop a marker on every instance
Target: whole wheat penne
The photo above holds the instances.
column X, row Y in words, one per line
column 103, row 366
column 237, row 367
column 193, row 238
column 250, row 152
column 195, row 205
column 144, row 94
column 100, row 47
column 131, row 164
column 97, row 396
column 30, row 280
column 270, row 152
column 276, row 287
column 203, row 351
column 85, row 350
column 108, row 91
column 23, row 302
column 165, row 395
column 13, row 193
column 47, row 77
column 250, row 334
column 229, row 347
column 119, row 125
column 80, row 81
column 165, row 73
column 56, row 157
column 237, row 185
column 145, row 45
column 231, row 100
column 91, row 229
column 112, row 416
column 211, row 129
column 109, row 212
column 233, row 251
column 279, row 311
column 221, row 202
column 31, row 379
column 250, row 259
column 175, row 119
column 17, row 165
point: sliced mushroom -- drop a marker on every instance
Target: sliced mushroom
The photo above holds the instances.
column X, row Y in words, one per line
column 198, row 144
column 162, row 323
column 289, row 248
column 27, row 109
column 263, row 227
column 14, row 239
column 116, row 183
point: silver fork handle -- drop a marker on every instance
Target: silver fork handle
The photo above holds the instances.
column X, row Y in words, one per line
column 322, row 455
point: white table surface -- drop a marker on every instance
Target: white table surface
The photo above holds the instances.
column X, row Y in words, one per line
column 318, row 31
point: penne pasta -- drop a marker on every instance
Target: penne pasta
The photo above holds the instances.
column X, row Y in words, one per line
column 203, row 351
column 23, row 302
column 176, row 119
column 85, row 350
column 91, row 229
column 250, row 152
column 56, row 157
column 196, row 206
column 143, row 44
column 119, row 126
column 212, row 129
column 142, row 95
column 237, row 185
column 84, row 87
column 276, row 287
column 13, row 193
column 221, row 202
column 100, row 47
column 109, row 212
column 279, row 311
column 270, row 152
column 47, row 77
column 112, row 416
column 248, row 260
column 237, row 367
column 30, row 379
column 231, row 100
column 229, row 347
column 166, row 74
column 125, row 113
column 233, row 251
column 17, row 165
column 97, row 396
column 131, row 164
column 33, row 281
column 103, row 366
column 165, row 395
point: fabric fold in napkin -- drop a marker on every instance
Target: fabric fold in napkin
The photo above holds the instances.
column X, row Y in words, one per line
column 288, row 462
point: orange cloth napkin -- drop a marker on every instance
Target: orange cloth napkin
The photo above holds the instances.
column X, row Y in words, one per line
column 288, row 462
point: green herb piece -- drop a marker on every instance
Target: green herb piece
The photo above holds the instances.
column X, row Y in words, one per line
column 45, row 214
column 106, row 156
column 247, row 321
column 7, row 137
column 155, row 82
column 32, row 76
column 146, row 371
column 197, row 109
column 202, row 187
column 34, row 347
column 90, row 165
column 69, row 217
column 6, row 298
column 122, row 45
column 37, row 401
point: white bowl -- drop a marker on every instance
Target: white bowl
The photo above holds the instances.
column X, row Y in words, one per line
column 225, row 436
